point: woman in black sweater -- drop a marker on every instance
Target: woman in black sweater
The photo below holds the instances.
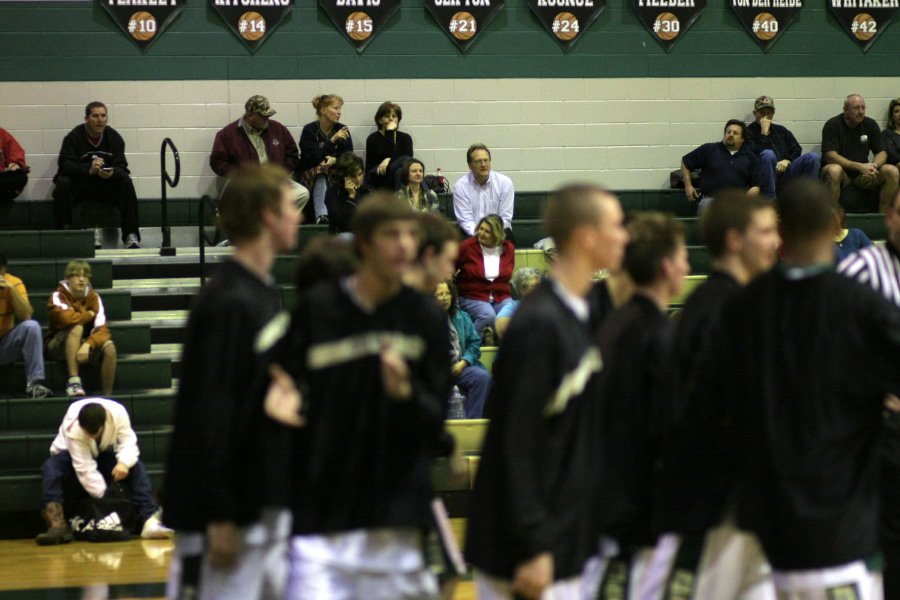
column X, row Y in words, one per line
column 321, row 143
column 387, row 149
column 344, row 191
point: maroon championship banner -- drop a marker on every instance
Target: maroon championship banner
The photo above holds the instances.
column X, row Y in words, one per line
column 360, row 20
column 668, row 20
column 766, row 20
column 566, row 20
column 142, row 21
column 252, row 20
column 864, row 20
column 463, row 20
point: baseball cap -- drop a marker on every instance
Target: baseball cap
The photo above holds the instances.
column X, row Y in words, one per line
column 259, row 105
column 764, row 102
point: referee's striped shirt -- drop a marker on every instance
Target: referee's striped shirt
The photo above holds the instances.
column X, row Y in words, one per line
column 877, row 266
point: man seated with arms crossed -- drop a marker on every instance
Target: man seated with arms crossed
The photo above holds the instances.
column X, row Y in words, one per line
column 847, row 141
column 482, row 192
column 257, row 139
column 726, row 164
column 780, row 155
column 95, row 443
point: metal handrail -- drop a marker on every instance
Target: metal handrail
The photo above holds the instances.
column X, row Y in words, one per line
column 202, row 238
column 166, row 248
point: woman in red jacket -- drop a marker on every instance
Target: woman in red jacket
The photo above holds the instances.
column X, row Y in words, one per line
column 484, row 268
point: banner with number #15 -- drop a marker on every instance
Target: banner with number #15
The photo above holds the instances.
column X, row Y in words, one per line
column 141, row 22
column 252, row 22
column 360, row 20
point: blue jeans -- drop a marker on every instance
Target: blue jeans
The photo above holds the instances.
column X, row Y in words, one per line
column 24, row 341
column 318, row 194
column 475, row 382
column 807, row 165
column 61, row 483
column 483, row 313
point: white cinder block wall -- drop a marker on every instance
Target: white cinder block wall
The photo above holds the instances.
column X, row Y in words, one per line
column 623, row 133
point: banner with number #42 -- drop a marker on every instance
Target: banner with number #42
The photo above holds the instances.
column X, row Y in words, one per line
column 142, row 23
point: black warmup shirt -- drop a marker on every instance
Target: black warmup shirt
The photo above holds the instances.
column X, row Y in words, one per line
column 696, row 476
column 635, row 343
column 852, row 143
column 363, row 460
column 538, row 465
column 225, row 451
column 806, row 359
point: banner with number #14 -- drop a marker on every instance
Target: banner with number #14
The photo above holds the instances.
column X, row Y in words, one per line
column 252, row 22
column 141, row 22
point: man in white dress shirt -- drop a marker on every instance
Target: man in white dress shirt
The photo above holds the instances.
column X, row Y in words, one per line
column 482, row 192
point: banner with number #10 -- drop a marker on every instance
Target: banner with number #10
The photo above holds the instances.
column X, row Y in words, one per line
column 252, row 21
column 567, row 20
column 360, row 20
column 142, row 23
column 463, row 20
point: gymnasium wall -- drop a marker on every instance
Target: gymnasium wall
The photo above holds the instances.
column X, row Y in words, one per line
column 616, row 109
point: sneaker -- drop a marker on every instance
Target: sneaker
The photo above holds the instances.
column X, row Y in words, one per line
column 154, row 529
column 322, row 220
column 132, row 242
column 37, row 390
column 74, row 387
column 98, row 238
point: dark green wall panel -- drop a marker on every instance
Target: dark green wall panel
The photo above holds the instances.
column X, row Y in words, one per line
column 58, row 42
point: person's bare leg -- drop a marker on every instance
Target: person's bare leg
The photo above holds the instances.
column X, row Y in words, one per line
column 73, row 343
column 833, row 176
column 108, row 369
column 890, row 177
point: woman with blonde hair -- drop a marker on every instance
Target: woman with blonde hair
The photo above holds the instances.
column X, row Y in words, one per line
column 321, row 143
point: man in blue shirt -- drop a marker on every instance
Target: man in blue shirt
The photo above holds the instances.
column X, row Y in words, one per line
column 726, row 164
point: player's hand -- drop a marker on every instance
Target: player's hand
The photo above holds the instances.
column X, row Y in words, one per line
column 96, row 165
column 764, row 125
column 105, row 174
column 782, row 165
column 892, row 403
column 343, row 134
column 84, row 352
column 283, row 400
column 533, row 577
column 328, row 162
column 13, row 167
column 382, row 168
column 119, row 472
column 691, row 192
column 224, row 544
column 395, row 375
column 350, row 186
column 458, row 367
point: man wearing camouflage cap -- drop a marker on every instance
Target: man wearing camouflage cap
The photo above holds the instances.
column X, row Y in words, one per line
column 780, row 155
column 255, row 138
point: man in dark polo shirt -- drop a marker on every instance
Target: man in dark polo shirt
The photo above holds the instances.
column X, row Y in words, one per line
column 847, row 141
column 726, row 164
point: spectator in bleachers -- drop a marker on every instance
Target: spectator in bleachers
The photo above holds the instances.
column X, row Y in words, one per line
column 345, row 191
column 387, row 149
column 94, row 448
column 93, row 166
column 847, row 240
column 321, row 143
column 324, row 258
column 482, row 192
column 529, row 531
column 634, row 343
column 78, row 329
column 790, row 345
column 255, row 138
column 848, row 140
column 695, row 476
column 522, row 282
column 727, row 164
column 780, row 155
column 890, row 136
column 413, row 188
column 465, row 353
column 20, row 341
column 436, row 259
column 228, row 466
column 878, row 266
column 613, row 289
column 484, row 267
column 13, row 169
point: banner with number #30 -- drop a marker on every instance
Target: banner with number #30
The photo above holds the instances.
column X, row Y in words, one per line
column 668, row 20
column 142, row 23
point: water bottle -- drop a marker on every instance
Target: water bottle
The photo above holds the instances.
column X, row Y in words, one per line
column 457, row 404
column 443, row 188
